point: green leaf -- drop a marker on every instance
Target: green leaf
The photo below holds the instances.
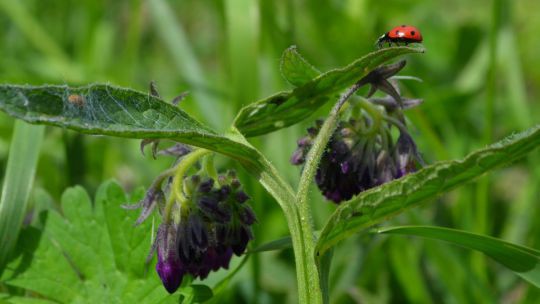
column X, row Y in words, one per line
column 288, row 108
column 91, row 253
column 524, row 261
column 18, row 180
column 108, row 110
column 378, row 204
column 295, row 69
column 195, row 294
column 11, row 299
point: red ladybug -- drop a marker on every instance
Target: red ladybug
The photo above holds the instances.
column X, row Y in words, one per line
column 403, row 33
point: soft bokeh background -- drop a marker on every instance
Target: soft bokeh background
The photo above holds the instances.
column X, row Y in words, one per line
column 481, row 77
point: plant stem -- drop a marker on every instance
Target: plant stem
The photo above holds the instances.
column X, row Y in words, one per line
column 308, row 173
column 176, row 187
column 306, row 268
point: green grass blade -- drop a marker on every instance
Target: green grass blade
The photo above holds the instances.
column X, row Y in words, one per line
column 524, row 261
column 279, row 244
column 178, row 45
column 379, row 204
column 18, row 180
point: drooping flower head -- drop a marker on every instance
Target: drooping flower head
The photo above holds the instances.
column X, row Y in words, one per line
column 362, row 152
column 205, row 222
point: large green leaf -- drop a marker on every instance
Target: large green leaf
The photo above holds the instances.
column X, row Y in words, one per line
column 108, row 110
column 378, row 204
column 90, row 254
column 524, row 261
column 287, row 108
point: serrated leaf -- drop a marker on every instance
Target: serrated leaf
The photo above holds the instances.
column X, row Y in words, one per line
column 108, row 110
column 11, row 299
column 524, row 261
column 295, row 69
column 378, row 204
column 287, row 108
column 80, row 257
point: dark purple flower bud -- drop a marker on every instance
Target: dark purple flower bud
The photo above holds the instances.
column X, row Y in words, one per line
column 196, row 232
column 224, row 192
column 177, row 150
column 241, row 197
column 386, row 169
column 313, row 131
column 345, row 167
column 211, row 207
column 169, row 267
column 206, row 186
column 304, row 142
column 243, row 236
column 170, row 272
column 235, row 184
column 298, row 157
column 406, row 155
column 247, row 216
column 153, row 195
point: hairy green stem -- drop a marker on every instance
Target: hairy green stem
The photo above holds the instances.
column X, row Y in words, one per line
column 306, row 269
column 308, row 173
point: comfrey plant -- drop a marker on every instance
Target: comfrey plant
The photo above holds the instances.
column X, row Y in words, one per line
column 361, row 153
column 362, row 156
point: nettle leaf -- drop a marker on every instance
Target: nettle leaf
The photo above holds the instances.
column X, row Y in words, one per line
column 108, row 110
column 287, row 108
column 524, row 261
column 378, row 204
column 91, row 253
column 295, row 69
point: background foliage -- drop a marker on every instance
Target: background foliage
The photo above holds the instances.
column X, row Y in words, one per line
column 480, row 74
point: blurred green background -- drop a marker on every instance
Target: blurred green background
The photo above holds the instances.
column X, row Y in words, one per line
column 481, row 77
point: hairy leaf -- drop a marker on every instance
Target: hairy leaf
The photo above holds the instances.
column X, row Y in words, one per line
column 287, row 108
column 378, row 204
column 295, row 69
column 524, row 261
column 108, row 110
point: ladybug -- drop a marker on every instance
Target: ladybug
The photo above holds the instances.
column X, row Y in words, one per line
column 403, row 33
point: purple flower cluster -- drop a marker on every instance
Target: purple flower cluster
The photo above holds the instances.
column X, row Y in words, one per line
column 214, row 225
column 353, row 163
column 362, row 153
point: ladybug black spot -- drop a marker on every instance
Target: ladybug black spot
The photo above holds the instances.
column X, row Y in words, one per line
column 397, row 32
column 404, row 25
column 413, row 33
